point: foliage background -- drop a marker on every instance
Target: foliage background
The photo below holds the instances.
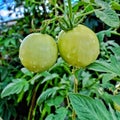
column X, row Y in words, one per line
column 50, row 95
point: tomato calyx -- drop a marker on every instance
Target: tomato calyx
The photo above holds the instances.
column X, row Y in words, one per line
column 67, row 23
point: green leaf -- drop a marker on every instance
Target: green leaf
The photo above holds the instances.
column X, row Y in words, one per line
column 101, row 34
column 88, row 8
column 112, row 66
column 109, row 17
column 86, row 79
column 50, row 117
column 4, row 72
column 116, row 50
column 61, row 113
column 87, row 108
column 115, row 5
column 50, row 77
column 113, row 115
column 115, row 65
column 101, row 3
column 87, row 1
column 55, row 101
column 27, row 72
column 49, row 92
column 116, row 98
column 107, row 77
column 118, row 114
column 100, row 66
column 15, row 87
column 38, row 76
column 111, row 98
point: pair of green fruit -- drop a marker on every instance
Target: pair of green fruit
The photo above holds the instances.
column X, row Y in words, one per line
column 78, row 47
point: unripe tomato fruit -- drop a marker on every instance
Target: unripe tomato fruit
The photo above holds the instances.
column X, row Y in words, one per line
column 79, row 47
column 38, row 52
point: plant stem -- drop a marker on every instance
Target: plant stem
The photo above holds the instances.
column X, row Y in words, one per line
column 75, row 85
column 115, row 33
column 70, row 16
column 32, row 105
column 73, row 115
column 70, row 8
column 75, row 90
column 55, row 6
column 33, row 102
column 75, row 81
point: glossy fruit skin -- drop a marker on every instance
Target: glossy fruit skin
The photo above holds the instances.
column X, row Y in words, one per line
column 78, row 47
column 38, row 52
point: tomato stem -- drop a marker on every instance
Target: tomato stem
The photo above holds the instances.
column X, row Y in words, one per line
column 75, row 81
column 70, row 9
column 75, row 90
column 70, row 16
column 115, row 33
column 33, row 103
column 75, row 85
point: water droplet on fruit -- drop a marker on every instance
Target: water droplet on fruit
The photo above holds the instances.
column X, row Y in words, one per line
column 68, row 56
column 34, row 66
column 22, row 58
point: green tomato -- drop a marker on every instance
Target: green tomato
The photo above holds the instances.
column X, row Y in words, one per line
column 38, row 52
column 78, row 47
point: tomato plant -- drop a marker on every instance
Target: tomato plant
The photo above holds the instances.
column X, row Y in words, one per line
column 66, row 89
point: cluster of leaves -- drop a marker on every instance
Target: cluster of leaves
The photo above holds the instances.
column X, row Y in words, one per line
column 51, row 95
